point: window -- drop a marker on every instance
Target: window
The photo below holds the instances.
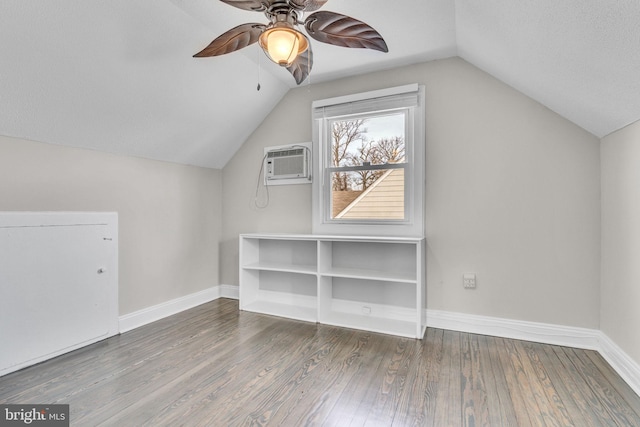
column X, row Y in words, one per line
column 370, row 161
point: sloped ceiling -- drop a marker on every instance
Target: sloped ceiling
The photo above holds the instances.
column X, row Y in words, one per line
column 118, row 75
column 580, row 58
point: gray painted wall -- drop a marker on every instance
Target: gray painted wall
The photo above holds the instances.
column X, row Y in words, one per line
column 513, row 194
column 621, row 238
column 169, row 214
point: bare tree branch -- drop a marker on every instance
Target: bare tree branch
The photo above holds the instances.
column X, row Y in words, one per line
column 376, row 152
column 344, row 133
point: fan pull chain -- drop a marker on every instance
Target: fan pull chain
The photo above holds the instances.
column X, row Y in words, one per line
column 258, row 88
column 309, row 72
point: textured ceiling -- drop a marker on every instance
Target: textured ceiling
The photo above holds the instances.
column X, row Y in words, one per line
column 580, row 58
column 118, row 75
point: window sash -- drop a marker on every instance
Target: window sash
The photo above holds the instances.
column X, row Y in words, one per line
column 366, row 167
column 327, row 171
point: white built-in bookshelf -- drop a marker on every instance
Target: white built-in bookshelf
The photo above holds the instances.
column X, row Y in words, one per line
column 371, row 283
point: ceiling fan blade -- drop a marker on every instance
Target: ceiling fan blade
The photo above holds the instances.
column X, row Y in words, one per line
column 307, row 5
column 301, row 66
column 341, row 30
column 234, row 39
column 255, row 5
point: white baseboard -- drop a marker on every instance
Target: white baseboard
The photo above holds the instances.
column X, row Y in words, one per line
column 229, row 291
column 626, row 367
column 590, row 339
column 516, row 329
column 151, row 314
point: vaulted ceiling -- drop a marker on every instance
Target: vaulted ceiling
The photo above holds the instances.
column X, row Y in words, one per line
column 118, row 75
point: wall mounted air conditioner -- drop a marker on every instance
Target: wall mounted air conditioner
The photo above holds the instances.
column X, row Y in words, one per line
column 288, row 164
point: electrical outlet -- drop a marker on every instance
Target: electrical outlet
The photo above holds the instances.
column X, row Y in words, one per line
column 469, row 280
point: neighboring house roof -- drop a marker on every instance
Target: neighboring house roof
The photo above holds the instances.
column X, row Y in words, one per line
column 384, row 199
column 341, row 199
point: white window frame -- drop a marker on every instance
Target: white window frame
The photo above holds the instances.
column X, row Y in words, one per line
column 409, row 98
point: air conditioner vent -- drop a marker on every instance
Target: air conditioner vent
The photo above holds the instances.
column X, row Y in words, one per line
column 288, row 164
column 286, row 153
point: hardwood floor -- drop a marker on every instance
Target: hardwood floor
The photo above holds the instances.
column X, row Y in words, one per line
column 216, row 366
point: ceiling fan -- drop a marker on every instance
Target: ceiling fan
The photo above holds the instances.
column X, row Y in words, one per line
column 283, row 43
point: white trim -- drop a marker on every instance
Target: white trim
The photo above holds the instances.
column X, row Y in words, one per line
column 151, row 314
column 365, row 95
column 626, row 367
column 590, row 339
column 10, row 219
column 230, row 291
column 383, row 311
column 516, row 329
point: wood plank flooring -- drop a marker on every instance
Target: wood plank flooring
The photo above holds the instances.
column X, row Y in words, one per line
column 216, row 366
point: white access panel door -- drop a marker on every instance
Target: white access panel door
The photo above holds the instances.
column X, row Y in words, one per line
column 58, row 284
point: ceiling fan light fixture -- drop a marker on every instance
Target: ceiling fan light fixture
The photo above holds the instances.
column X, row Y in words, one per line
column 282, row 40
column 282, row 43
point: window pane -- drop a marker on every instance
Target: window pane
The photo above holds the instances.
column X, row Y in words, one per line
column 374, row 140
column 368, row 194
